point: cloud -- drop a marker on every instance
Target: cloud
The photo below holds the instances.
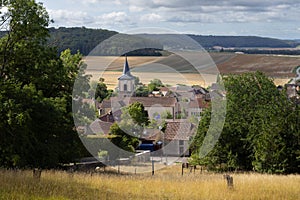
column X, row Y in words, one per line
column 216, row 11
column 114, row 19
column 152, row 17
column 70, row 18
column 133, row 8
column 80, row 18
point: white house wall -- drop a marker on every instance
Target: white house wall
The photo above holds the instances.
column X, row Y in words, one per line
column 173, row 148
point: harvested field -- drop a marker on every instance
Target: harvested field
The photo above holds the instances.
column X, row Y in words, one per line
column 272, row 65
column 174, row 69
column 111, row 78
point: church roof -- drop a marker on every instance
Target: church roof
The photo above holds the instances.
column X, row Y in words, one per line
column 126, row 72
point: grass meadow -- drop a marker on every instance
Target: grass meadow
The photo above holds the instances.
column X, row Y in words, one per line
column 167, row 183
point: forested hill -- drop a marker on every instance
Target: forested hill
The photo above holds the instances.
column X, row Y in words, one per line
column 243, row 41
column 86, row 39
column 82, row 39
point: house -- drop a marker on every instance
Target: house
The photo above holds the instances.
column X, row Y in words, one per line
column 98, row 127
column 177, row 137
column 174, row 141
column 196, row 106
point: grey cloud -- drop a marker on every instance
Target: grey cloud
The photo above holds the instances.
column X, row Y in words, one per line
column 208, row 11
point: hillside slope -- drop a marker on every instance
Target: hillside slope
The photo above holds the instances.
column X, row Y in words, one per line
column 86, row 39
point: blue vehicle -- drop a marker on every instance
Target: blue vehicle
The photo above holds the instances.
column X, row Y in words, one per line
column 149, row 147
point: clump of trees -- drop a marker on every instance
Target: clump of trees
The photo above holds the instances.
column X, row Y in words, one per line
column 144, row 90
column 36, row 125
column 261, row 130
column 102, row 92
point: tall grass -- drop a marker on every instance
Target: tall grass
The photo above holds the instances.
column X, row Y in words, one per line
column 165, row 184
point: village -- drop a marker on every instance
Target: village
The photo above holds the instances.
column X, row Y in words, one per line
column 174, row 113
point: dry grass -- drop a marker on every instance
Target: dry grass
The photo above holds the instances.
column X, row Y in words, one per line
column 165, row 184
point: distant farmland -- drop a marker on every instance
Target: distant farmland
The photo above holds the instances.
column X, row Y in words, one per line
column 174, row 69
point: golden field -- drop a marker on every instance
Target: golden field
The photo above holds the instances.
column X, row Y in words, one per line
column 173, row 70
column 167, row 183
column 111, row 78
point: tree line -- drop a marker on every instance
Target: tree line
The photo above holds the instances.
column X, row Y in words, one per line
column 85, row 40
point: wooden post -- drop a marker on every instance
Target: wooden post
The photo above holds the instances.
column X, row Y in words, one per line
column 119, row 168
column 182, row 166
column 37, row 173
column 229, row 180
column 152, row 167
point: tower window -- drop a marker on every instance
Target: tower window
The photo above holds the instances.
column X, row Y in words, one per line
column 125, row 87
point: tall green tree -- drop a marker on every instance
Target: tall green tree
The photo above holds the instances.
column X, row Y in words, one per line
column 102, row 92
column 154, row 84
column 36, row 126
column 259, row 129
column 138, row 113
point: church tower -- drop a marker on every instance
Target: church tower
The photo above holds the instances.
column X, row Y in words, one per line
column 126, row 81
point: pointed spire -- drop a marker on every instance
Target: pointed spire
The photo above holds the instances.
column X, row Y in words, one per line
column 126, row 72
column 126, row 69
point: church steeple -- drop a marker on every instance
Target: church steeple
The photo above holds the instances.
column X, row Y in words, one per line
column 126, row 70
column 126, row 81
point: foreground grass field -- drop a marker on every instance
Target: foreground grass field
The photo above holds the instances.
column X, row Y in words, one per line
column 165, row 184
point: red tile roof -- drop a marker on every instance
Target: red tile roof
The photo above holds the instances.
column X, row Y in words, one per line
column 179, row 131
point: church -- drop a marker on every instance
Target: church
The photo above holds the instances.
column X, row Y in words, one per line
column 126, row 82
column 126, row 96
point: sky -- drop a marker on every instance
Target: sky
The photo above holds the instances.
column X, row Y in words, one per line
column 275, row 18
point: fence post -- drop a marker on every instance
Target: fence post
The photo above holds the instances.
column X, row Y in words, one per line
column 37, row 173
column 229, row 180
column 152, row 167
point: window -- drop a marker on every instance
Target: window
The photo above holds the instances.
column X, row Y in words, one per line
column 125, row 87
column 181, row 142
